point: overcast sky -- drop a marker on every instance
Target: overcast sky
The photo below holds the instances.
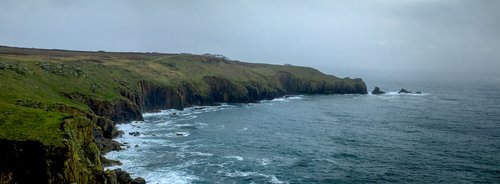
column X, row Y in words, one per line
column 363, row 38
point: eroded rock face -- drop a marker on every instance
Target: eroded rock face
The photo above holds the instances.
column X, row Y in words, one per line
column 293, row 85
column 377, row 91
column 223, row 90
column 76, row 159
column 153, row 97
column 118, row 111
column 80, row 159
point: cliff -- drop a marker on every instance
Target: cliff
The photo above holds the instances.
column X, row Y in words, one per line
column 58, row 109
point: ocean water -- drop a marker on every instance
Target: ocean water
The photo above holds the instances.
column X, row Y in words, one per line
column 448, row 134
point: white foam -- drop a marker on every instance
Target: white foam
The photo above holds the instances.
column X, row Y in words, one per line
column 279, row 100
column 264, row 161
column 298, row 97
column 184, row 125
column 285, row 99
column 165, row 123
column 239, row 158
column 272, row 178
column 178, row 134
column 396, row 93
column 202, row 125
column 161, row 113
column 276, row 180
column 170, row 177
column 201, row 154
column 240, row 174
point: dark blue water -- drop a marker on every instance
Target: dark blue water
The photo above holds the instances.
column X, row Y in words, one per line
column 449, row 134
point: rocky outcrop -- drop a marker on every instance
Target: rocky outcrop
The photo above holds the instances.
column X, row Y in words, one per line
column 76, row 159
column 290, row 84
column 16, row 68
column 124, row 177
column 377, row 91
column 223, row 90
column 119, row 111
column 61, row 69
column 403, row 91
column 153, row 97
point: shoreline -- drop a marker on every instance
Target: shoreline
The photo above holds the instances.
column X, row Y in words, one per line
column 127, row 144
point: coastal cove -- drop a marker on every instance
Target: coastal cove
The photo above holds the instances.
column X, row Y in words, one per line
column 66, row 104
column 435, row 136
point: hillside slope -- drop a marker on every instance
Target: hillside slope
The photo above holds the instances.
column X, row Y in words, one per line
column 58, row 109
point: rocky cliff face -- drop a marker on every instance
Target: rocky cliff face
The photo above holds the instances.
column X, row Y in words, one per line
column 109, row 88
column 76, row 160
column 79, row 159
column 293, row 85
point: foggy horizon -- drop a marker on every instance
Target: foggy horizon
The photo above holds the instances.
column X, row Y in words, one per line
column 413, row 39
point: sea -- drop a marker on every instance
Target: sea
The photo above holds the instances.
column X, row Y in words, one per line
column 448, row 134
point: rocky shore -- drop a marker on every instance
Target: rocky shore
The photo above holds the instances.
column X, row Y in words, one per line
column 59, row 109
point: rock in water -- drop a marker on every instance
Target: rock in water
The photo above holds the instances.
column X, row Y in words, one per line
column 134, row 133
column 377, row 91
column 123, row 176
column 139, row 180
column 403, row 91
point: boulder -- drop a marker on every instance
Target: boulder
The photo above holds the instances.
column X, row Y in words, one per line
column 108, row 162
column 377, row 91
column 139, row 180
column 123, row 176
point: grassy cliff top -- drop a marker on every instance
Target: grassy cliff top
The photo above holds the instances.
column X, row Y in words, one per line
column 32, row 82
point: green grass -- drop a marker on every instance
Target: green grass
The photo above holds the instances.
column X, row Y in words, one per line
column 23, row 123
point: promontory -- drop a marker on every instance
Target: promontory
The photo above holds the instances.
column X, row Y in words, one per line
column 58, row 108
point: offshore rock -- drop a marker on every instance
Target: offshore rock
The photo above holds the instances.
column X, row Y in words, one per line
column 403, row 91
column 139, row 180
column 377, row 91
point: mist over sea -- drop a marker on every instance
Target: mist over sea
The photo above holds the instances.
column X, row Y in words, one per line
column 448, row 134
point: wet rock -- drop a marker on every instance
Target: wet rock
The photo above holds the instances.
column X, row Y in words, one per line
column 107, row 145
column 123, row 176
column 377, row 91
column 134, row 134
column 108, row 162
column 181, row 134
column 139, row 180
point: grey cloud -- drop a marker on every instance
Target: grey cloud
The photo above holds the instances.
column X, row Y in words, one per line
column 356, row 38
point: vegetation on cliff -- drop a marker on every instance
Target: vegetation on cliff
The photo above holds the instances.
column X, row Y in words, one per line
column 70, row 100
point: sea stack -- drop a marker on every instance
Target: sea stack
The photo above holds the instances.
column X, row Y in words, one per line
column 377, row 91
